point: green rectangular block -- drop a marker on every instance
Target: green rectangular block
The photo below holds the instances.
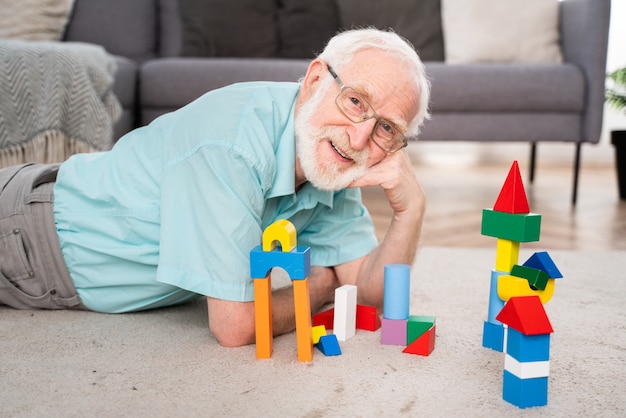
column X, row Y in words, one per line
column 519, row 227
column 537, row 279
column 417, row 325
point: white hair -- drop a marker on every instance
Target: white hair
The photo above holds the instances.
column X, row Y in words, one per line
column 342, row 47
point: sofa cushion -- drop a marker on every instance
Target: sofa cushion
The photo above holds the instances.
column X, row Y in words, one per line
column 34, row 20
column 226, row 28
column 122, row 27
column 170, row 83
column 304, row 26
column 501, row 31
column 499, row 87
column 418, row 21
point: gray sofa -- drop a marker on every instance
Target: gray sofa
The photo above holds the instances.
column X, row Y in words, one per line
column 470, row 102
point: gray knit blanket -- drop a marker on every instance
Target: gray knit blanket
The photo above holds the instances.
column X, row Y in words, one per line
column 55, row 100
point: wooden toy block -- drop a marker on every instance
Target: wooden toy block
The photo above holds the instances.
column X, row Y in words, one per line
column 281, row 232
column 424, row 344
column 528, row 348
column 263, row 317
column 325, row 318
column 512, row 197
column 537, row 279
column 493, row 336
column 397, row 286
column 302, row 304
column 525, row 393
column 367, row 318
column 495, row 303
column 507, row 254
column 526, row 369
column 329, row 345
column 345, row 312
column 542, row 261
column 526, row 315
column 316, row 332
column 393, row 331
column 511, row 286
column 418, row 325
column 512, row 226
column 297, row 263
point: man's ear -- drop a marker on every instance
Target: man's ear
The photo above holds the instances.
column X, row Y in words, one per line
column 312, row 78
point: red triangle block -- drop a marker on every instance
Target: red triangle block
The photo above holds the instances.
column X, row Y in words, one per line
column 512, row 197
column 424, row 344
column 526, row 315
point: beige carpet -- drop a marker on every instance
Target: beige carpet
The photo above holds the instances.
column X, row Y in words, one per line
column 165, row 363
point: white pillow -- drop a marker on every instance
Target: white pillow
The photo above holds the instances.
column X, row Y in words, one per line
column 34, row 20
column 501, row 31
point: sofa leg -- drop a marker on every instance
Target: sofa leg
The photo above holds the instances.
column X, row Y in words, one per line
column 533, row 155
column 576, row 172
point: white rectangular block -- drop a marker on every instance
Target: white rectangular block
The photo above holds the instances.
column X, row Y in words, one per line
column 344, row 325
column 528, row 369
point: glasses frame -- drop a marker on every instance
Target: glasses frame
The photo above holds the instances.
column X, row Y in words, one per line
column 399, row 138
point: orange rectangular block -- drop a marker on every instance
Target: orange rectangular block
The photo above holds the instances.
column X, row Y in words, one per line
column 263, row 317
column 302, row 305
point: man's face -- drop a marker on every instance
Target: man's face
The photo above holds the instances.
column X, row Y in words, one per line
column 326, row 174
column 332, row 150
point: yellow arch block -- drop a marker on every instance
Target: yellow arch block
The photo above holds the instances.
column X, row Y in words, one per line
column 283, row 232
column 511, row 286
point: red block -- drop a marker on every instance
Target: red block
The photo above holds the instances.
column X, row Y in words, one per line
column 424, row 344
column 326, row 318
column 367, row 318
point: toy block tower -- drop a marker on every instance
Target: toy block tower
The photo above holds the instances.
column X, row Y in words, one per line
column 279, row 250
column 511, row 222
column 527, row 362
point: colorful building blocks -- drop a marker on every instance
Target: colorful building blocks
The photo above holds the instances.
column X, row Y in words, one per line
column 317, row 332
column 397, row 294
column 280, row 241
column 393, row 331
column 520, row 328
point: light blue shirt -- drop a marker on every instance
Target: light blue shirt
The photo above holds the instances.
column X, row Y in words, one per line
column 173, row 210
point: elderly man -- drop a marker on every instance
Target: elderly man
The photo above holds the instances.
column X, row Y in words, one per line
column 172, row 211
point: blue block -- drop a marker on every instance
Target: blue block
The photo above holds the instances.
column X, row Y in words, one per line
column 525, row 393
column 329, row 345
column 542, row 261
column 493, row 336
column 397, row 291
column 495, row 303
column 528, row 347
column 297, row 263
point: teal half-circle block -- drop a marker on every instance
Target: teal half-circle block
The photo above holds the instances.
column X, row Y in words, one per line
column 517, row 227
column 297, row 263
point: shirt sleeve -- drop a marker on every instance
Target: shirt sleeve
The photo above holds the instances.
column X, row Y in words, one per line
column 210, row 220
column 341, row 233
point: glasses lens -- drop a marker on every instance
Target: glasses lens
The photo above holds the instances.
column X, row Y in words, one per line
column 353, row 105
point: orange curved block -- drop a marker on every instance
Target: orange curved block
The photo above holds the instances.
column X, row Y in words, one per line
column 511, row 286
column 280, row 232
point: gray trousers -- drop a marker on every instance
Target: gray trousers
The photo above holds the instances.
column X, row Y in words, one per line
column 33, row 274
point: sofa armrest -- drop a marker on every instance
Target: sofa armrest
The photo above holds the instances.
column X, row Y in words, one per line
column 584, row 39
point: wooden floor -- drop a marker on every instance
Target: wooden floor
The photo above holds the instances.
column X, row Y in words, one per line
column 457, row 194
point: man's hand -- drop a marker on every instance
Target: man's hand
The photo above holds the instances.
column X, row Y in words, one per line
column 396, row 176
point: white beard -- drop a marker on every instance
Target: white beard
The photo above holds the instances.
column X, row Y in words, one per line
column 321, row 174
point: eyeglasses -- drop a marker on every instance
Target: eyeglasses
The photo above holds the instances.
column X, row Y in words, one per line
column 354, row 106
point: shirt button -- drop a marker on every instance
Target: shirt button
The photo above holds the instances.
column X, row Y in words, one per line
column 16, row 231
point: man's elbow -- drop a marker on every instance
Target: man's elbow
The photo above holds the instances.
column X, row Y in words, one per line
column 233, row 336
